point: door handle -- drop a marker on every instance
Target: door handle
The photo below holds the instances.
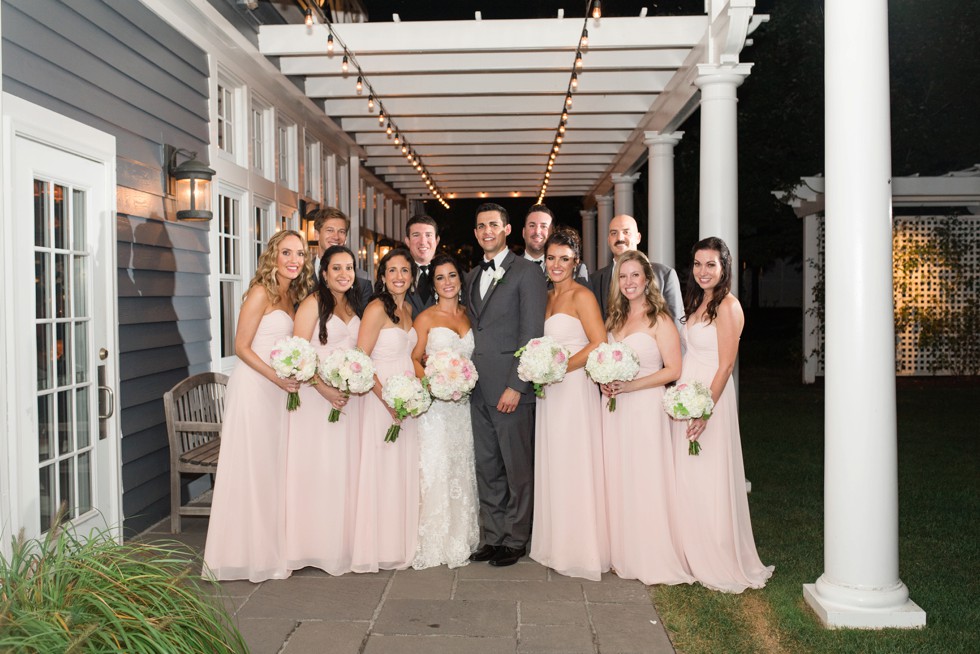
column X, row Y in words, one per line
column 110, row 404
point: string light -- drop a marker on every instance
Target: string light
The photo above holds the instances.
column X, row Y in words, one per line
column 574, row 80
column 596, row 9
column 308, row 17
column 584, row 42
column 578, row 61
column 383, row 116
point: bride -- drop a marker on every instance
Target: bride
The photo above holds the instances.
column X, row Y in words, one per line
column 448, row 530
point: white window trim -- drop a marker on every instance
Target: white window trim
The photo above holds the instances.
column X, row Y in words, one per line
column 239, row 115
column 266, row 165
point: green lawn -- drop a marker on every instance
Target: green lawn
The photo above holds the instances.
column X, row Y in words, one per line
column 782, row 439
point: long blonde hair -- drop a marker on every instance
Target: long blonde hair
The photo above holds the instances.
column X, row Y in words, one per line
column 619, row 306
column 265, row 272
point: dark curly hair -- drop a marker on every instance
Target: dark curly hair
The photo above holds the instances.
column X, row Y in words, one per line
column 565, row 236
column 694, row 294
column 381, row 291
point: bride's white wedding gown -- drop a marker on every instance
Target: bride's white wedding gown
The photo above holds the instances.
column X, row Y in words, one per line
column 448, row 530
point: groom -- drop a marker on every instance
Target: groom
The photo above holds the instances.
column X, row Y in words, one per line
column 507, row 295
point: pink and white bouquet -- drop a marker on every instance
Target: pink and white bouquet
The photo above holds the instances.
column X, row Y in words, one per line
column 542, row 361
column 406, row 395
column 349, row 371
column 687, row 401
column 449, row 376
column 295, row 358
column 612, row 362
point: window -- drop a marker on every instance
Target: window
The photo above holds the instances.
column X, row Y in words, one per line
column 311, row 169
column 226, row 118
column 230, row 278
column 261, row 229
column 286, row 150
column 259, row 135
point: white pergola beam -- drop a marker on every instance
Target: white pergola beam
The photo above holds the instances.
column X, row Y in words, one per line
column 518, row 105
column 446, row 86
column 408, row 63
column 486, row 36
column 541, row 150
column 457, row 137
column 503, row 160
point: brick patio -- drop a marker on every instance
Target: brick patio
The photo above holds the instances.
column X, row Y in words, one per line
column 477, row 609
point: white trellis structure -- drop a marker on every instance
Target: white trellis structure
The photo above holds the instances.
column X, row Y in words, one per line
column 919, row 288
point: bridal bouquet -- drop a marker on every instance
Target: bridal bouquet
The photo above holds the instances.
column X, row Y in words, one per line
column 406, row 395
column 686, row 401
column 449, row 376
column 543, row 361
column 294, row 357
column 349, row 371
column 612, row 362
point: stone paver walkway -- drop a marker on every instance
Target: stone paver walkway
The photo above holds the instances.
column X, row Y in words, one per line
column 476, row 609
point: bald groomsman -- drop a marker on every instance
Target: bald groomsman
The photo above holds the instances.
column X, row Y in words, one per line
column 624, row 235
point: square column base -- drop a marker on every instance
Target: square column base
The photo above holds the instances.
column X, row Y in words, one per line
column 836, row 616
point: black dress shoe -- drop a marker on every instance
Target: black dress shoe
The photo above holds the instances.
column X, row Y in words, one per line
column 507, row 556
column 485, row 553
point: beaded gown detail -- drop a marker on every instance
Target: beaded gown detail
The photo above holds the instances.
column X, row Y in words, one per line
column 448, row 525
column 714, row 527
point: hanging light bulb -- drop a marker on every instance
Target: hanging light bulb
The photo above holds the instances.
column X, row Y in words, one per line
column 343, row 65
column 381, row 117
column 578, row 61
column 596, row 9
column 568, row 100
column 330, row 43
column 308, row 17
column 404, row 149
column 388, row 129
column 559, row 138
column 574, row 84
column 370, row 103
column 561, row 128
column 584, row 43
column 360, row 85
column 397, row 139
column 564, row 116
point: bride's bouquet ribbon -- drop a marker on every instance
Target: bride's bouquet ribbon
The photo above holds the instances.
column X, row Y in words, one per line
column 407, row 397
column 294, row 358
column 449, row 376
column 688, row 401
column 542, row 361
column 349, row 371
column 612, row 362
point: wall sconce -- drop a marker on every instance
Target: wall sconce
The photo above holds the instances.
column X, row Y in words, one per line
column 191, row 185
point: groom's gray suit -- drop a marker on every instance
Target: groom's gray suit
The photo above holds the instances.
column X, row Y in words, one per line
column 504, row 320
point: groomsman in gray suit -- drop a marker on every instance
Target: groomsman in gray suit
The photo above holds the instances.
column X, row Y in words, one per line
column 624, row 235
column 507, row 296
column 422, row 239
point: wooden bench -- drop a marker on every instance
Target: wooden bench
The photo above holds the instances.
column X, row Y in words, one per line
column 194, row 409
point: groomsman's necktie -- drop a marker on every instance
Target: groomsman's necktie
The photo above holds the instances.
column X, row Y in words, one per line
column 424, row 285
column 484, row 265
column 539, row 262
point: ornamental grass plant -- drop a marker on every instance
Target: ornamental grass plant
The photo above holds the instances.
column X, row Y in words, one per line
column 65, row 593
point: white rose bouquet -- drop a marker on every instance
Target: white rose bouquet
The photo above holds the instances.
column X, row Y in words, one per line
column 542, row 361
column 406, row 395
column 349, row 371
column 449, row 376
column 294, row 357
column 687, row 401
column 612, row 362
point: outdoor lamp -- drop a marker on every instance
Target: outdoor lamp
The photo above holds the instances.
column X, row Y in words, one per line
column 192, row 186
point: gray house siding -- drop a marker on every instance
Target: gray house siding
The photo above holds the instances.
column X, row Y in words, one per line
column 116, row 66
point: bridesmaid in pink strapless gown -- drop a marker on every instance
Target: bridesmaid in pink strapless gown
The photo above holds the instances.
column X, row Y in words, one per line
column 714, row 525
column 323, row 457
column 387, row 517
column 636, row 437
column 246, row 532
column 570, row 533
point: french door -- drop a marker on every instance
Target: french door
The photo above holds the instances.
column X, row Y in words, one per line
column 66, row 440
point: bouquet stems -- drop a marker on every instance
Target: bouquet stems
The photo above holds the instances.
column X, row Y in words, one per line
column 612, row 403
column 693, row 448
column 393, row 432
column 292, row 402
column 335, row 412
column 539, row 390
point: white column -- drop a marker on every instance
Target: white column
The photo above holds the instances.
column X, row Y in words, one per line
column 588, row 238
column 719, row 155
column 369, row 207
column 660, row 198
column 860, row 586
column 624, row 193
column 605, row 208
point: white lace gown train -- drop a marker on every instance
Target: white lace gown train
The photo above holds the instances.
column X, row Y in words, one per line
column 448, row 529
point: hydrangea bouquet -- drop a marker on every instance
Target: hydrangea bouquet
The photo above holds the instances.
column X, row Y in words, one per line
column 349, row 371
column 449, row 376
column 295, row 358
column 406, row 395
column 542, row 361
column 687, row 401
column 612, row 362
